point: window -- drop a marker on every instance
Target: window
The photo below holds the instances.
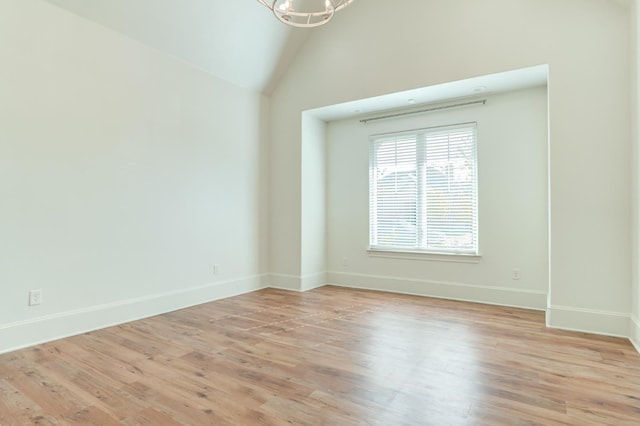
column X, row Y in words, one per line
column 423, row 191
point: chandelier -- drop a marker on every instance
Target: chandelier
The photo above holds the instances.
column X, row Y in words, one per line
column 305, row 13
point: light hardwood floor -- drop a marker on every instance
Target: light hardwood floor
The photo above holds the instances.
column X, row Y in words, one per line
column 330, row 356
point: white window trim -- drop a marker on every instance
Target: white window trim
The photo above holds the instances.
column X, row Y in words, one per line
column 422, row 254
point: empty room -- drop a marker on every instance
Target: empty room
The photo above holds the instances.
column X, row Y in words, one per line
column 308, row 212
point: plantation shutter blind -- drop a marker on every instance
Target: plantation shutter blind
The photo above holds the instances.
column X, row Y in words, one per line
column 423, row 191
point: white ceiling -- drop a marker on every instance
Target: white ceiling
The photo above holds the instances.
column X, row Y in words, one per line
column 239, row 41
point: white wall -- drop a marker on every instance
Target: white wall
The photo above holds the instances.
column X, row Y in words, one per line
column 306, row 256
column 586, row 45
column 635, row 158
column 124, row 177
column 512, row 193
column 313, row 233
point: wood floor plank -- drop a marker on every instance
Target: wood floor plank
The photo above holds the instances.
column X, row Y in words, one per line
column 333, row 356
column 15, row 407
column 34, row 383
column 151, row 417
column 95, row 389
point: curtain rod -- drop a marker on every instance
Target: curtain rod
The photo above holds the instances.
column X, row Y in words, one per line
column 400, row 114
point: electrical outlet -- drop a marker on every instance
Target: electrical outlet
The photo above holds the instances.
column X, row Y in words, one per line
column 345, row 261
column 216, row 269
column 35, row 297
column 515, row 274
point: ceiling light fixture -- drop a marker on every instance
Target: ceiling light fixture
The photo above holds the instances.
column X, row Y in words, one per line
column 305, row 13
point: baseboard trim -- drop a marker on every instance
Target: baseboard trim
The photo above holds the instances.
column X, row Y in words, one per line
column 634, row 335
column 311, row 281
column 444, row 290
column 607, row 323
column 296, row 282
column 285, row 282
column 23, row 334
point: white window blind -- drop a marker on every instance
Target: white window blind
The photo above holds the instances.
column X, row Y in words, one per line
column 423, row 191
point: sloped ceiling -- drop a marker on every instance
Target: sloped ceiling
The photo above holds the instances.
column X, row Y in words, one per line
column 239, row 41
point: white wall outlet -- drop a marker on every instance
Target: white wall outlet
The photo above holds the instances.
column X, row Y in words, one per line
column 216, row 269
column 35, row 297
column 515, row 274
column 345, row 261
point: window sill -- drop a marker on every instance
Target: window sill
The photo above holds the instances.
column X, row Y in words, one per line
column 425, row 256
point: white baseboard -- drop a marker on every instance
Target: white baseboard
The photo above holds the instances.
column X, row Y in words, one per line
column 311, row 281
column 445, row 290
column 43, row 329
column 634, row 335
column 285, row 282
column 297, row 283
column 588, row 321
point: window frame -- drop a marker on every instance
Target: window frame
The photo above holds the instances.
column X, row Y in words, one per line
column 416, row 251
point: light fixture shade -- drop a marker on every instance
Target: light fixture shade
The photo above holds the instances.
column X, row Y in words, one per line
column 305, row 13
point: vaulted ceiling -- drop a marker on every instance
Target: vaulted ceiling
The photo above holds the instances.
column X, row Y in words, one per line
column 239, row 41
